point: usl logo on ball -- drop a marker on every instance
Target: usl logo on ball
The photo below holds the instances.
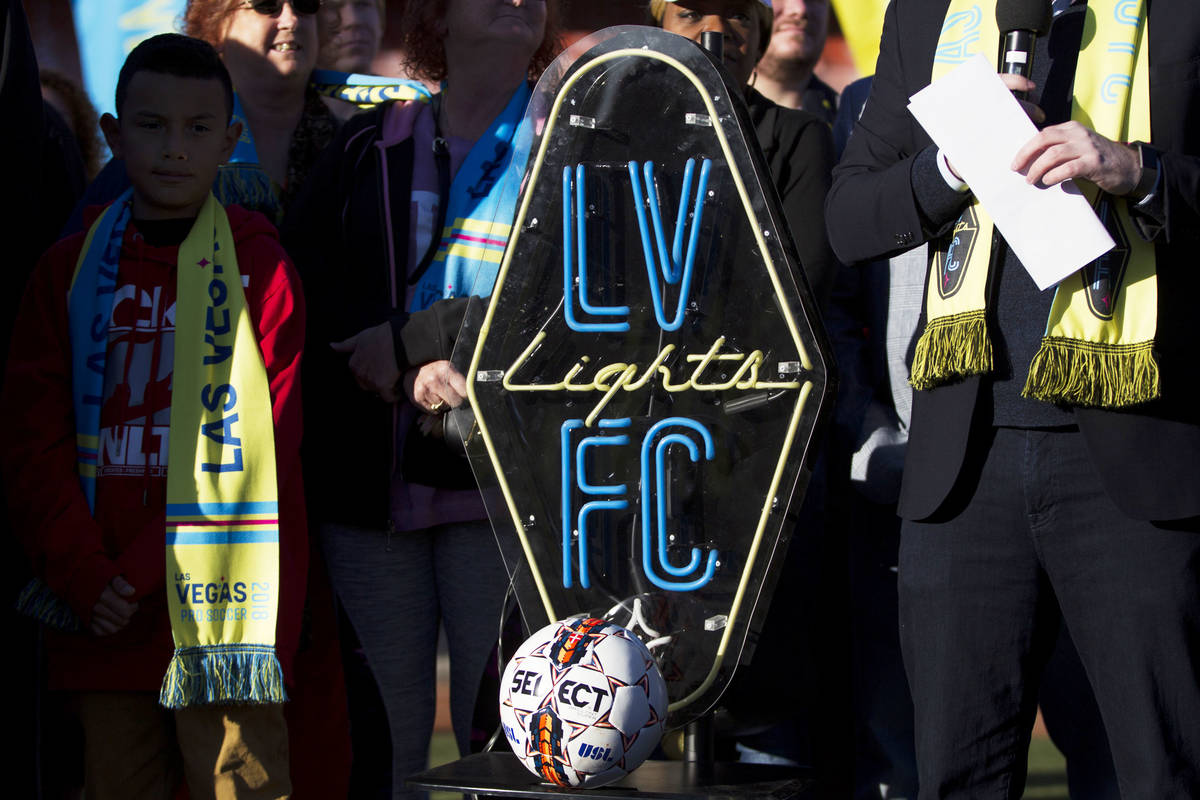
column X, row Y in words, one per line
column 582, row 702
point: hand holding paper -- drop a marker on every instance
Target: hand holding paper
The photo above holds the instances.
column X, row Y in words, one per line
column 980, row 126
column 1071, row 150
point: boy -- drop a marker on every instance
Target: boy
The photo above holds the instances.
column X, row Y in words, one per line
column 171, row 321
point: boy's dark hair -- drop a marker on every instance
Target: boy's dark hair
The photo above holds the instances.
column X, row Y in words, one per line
column 178, row 55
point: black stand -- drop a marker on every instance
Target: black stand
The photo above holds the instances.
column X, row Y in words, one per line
column 697, row 777
column 502, row 775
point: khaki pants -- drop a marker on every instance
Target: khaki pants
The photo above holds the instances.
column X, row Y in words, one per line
column 134, row 749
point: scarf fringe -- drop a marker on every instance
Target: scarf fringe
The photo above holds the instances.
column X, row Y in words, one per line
column 950, row 348
column 248, row 186
column 1089, row 374
column 39, row 602
column 223, row 674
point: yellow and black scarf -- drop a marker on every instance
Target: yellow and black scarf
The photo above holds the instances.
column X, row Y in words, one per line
column 1098, row 345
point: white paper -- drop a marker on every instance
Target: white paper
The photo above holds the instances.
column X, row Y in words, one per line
column 973, row 117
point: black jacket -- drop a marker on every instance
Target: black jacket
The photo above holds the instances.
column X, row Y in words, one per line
column 798, row 148
column 338, row 236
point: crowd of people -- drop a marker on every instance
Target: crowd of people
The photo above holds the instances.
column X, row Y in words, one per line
column 1028, row 519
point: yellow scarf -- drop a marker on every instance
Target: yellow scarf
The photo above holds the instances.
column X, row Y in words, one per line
column 222, row 508
column 1098, row 345
column 222, row 531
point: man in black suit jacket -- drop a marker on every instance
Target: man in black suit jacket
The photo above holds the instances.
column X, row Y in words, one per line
column 1015, row 506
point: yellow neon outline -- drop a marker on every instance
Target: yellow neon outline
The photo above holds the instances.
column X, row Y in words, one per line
column 485, row 328
column 624, row 372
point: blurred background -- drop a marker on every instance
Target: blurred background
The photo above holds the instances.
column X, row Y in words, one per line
column 87, row 40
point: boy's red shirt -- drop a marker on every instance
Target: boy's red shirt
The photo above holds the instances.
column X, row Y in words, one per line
column 78, row 553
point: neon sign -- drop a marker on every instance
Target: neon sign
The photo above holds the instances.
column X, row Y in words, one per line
column 647, row 375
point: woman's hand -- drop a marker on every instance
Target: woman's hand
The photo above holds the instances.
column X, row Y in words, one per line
column 435, row 387
column 373, row 361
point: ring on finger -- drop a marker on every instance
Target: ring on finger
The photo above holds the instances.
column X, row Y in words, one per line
column 438, row 407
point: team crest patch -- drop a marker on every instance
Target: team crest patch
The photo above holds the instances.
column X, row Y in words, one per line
column 952, row 267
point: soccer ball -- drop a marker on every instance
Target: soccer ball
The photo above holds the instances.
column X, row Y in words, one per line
column 582, row 702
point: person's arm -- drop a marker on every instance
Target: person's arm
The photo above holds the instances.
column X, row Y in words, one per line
column 47, row 505
column 888, row 194
column 1174, row 212
column 853, row 98
column 1166, row 206
column 430, row 334
column 312, row 232
column 810, row 162
column 379, row 353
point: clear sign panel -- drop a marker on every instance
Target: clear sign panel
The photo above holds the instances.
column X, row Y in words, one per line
column 649, row 371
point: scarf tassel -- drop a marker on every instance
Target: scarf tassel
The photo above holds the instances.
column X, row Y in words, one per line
column 223, row 675
column 248, row 186
column 951, row 348
column 40, row 603
column 1088, row 374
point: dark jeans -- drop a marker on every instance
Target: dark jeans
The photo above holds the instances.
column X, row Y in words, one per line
column 1073, row 721
column 980, row 593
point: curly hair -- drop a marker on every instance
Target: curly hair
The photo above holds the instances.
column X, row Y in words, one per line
column 205, row 19
column 762, row 15
column 425, row 56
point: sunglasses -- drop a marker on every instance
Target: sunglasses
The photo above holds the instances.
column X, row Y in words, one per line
column 272, row 7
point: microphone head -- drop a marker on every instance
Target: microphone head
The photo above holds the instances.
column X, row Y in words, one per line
column 1023, row 15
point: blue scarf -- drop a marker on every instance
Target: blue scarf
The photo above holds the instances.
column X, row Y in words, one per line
column 241, row 180
column 480, row 210
column 89, row 304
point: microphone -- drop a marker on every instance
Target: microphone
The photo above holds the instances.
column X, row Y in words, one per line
column 1020, row 23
